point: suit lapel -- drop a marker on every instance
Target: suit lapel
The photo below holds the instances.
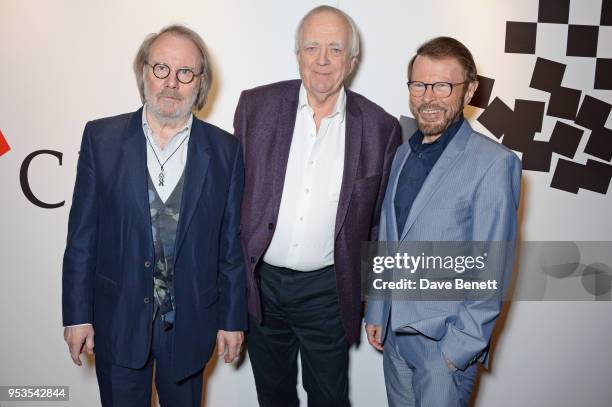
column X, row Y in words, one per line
column 353, row 135
column 198, row 159
column 282, row 141
column 448, row 158
column 134, row 152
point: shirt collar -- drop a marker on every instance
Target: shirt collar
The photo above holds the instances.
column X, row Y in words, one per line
column 146, row 128
column 339, row 108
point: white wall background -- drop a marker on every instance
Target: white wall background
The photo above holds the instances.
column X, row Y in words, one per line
column 64, row 62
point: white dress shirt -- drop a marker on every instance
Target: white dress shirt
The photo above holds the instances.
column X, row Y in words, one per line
column 173, row 168
column 305, row 231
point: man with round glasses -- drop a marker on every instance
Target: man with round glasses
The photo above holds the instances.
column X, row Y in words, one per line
column 448, row 183
column 153, row 263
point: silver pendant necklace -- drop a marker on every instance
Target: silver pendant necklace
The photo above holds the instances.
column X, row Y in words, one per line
column 162, row 174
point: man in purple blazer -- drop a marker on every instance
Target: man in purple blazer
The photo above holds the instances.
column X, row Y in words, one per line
column 317, row 161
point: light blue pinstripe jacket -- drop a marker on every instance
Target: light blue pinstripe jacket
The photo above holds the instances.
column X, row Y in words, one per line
column 471, row 194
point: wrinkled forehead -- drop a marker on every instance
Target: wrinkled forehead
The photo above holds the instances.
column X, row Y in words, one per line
column 170, row 48
column 328, row 26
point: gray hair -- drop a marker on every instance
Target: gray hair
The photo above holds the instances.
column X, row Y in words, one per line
column 142, row 57
column 354, row 51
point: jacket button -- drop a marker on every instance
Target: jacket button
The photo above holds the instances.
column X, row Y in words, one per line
column 147, row 264
column 253, row 260
column 270, row 226
column 146, row 300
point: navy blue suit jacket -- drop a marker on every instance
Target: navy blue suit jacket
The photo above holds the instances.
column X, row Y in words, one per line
column 109, row 258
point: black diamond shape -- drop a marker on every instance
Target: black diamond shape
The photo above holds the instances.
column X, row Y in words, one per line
column 547, row 75
column 521, row 37
column 606, row 12
column 527, row 121
column 570, row 176
column 528, row 115
column 600, row 144
column 537, row 156
column 554, row 11
column 564, row 103
column 518, row 139
column 497, row 117
column 593, row 113
column 582, row 40
column 565, row 139
column 603, row 74
column 483, row 92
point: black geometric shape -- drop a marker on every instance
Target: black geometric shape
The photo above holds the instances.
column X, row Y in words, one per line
column 606, row 12
column 603, row 74
column 537, row 156
column 483, row 92
column 582, row 40
column 593, row 113
column 521, row 37
column 497, row 117
column 564, row 103
column 600, row 144
column 565, row 139
column 528, row 115
column 547, row 75
column 570, row 176
column 518, row 139
column 554, row 11
column 527, row 121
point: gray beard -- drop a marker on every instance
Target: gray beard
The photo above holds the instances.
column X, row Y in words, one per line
column 439, row 130
column 163, row 118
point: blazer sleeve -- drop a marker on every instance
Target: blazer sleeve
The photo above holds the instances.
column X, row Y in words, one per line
column 494, row 220
column 393, row 143
column 232, row 279
column 80, row 255
column 374, row 310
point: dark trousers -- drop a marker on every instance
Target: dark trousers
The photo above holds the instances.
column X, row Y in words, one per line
column 300, row 313
column 122, row 386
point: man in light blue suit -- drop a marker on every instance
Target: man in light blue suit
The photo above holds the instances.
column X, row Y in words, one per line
column 447, row 183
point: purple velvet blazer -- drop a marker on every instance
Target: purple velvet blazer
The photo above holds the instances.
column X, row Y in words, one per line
column 264, row 122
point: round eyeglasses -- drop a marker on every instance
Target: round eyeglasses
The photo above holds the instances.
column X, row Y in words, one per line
column 439, row 89
column 183, row 75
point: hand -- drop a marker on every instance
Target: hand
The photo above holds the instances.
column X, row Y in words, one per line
column 79, row 339
column 374, row 334
column 229, row 344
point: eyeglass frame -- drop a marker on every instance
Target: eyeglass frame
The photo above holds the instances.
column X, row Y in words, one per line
column 176, row 72
column 452, row 87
